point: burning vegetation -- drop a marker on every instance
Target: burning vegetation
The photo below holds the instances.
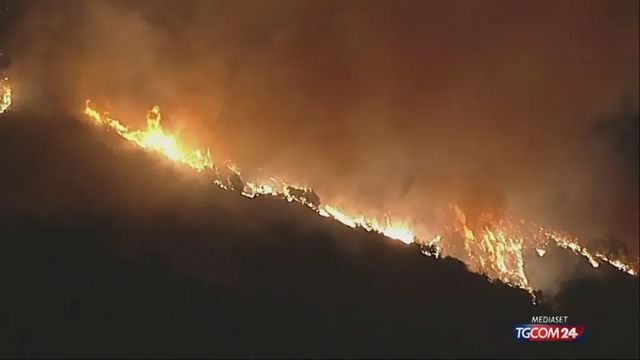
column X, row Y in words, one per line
column 5, row 95
column 494, row 245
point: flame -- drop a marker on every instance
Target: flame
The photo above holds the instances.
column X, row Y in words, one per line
column 495, row 246
column 394, row 229
column 493, row 250
column 570, row 242
column 432, row 247
column 5, row 95
column 498, row 247
column 154, row 138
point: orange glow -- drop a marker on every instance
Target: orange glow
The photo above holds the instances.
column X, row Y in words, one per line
column 154, row 138
column 494, row 246
column 5, row 95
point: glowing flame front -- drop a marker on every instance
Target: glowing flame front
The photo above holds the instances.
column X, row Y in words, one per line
column 5, row 95
column 495, row 247
column 154, row 138
column 393, row 229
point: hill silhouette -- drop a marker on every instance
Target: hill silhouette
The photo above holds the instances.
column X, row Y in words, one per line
column 111, row 251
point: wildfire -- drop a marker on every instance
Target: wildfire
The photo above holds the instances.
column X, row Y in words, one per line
column 498, row 247
column 495, row 246
column 154, row 138
column 397, row 229
column 5, row 95
column 493, row 250
column 570, row 242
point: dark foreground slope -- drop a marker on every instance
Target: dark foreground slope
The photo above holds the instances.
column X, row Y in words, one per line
column 105, row 251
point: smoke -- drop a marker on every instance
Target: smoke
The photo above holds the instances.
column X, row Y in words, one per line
column 405, row 106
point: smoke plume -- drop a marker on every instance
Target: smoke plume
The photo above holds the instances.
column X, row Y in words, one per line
column 527, row 108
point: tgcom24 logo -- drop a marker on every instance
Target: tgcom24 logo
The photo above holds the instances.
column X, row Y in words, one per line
column 548, row 328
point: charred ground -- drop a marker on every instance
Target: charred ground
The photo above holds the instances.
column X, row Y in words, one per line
column 109, row 251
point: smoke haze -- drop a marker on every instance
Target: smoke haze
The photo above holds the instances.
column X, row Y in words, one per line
column 523, row 108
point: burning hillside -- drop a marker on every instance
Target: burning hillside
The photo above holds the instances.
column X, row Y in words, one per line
column 114, row 252
column 494, row 246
